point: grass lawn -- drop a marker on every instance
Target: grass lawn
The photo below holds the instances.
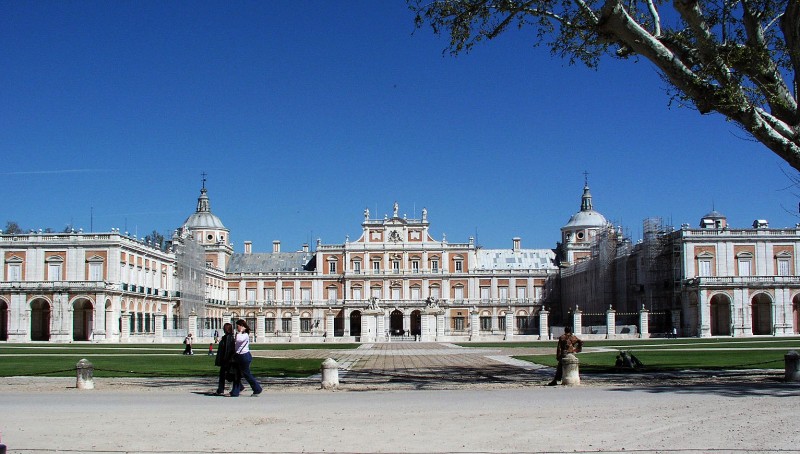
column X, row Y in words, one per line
column 142, row 360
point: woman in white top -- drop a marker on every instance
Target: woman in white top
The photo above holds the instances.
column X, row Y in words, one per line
column 243, row 358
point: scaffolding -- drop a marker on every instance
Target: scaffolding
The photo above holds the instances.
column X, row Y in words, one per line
column 190, row 269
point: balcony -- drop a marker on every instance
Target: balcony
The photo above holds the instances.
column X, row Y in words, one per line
column 743, row 281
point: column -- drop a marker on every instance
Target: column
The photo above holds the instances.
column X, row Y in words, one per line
column 159, row 328
column 109, row 322
column 474, row 325
column 611, row 323
column 439, row 326
column 644, row 323
column 329, row 323
column 193, row 326
column 703, row 315
column 295, row 326
column 261, row 327
column 346, row 316
column 406, row 322
column 380, row 327
column 577, row 322
column 544, row 324
column 424, row 326
column 509, row 325
column 125, row 333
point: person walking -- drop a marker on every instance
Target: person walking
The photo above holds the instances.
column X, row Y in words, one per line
column 243, row 358
column 224, row 359
column 187, row 341
column 567, row 343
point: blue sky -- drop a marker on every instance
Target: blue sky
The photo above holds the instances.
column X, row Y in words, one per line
column 304, row 113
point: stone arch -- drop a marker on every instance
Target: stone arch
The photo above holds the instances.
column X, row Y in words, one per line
column 416, row 323
column 720, row 307
column 796, row 314
column 396, row 323
column 41, row 312
column 761, row 310
column 355, row 323
column 4, row 316
column 82, row 319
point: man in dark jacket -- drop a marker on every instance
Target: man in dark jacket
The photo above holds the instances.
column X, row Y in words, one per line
column 225, row 350
column 567, row 343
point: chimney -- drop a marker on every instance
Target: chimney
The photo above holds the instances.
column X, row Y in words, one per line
column 305, row 247
column 517, row 243
column 276, row 246
column 248, row 247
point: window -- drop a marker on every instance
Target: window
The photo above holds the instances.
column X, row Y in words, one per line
column 331, row 267
column 501, row 322
column 96, row 271
column 415, row 294
column 396, row 293
column 434, row 266
column 286, row 325
column 486, row 323
column 458, row 293
column 783, row 267
column 357, row 267
column 459, row 264
column 233, row 295
column 251, row 295
column 502, row 294
column 53, row 271
column 305, row 325
column 744, row 267
column 485, row 294
column 357, row 293
column 520, row 293
column 332, row 294
column 269, row 294
column 395, row 266
column 15, row 272
column 415, row 266
column 287, row 295
column 305, row 295
column 376, row 292
column 522, row 323
column 458, row 323
column 435, row 292
column 269, row 325
column 376, row 267
column 704, row 267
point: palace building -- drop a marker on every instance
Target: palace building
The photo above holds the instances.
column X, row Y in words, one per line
column 397, row 282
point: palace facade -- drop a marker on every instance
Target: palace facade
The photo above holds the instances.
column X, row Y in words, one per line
column 397, row 282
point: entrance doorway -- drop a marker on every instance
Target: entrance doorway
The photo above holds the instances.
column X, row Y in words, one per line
column 416, row 323
column 40, row 320
column 355, row 323
column 396, row 323
column 720, row 315
column 82, row 320
column 338, row 324
column 3, row 321
column 762, row 314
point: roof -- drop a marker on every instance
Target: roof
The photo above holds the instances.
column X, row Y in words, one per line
column 203, row 221
column 508, row 259
column 714, row 214
column 269, row 262
column 588, row 218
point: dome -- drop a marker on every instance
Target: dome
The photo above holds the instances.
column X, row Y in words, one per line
column 203, row 221
column 714, row 214
column 203, row 218
column 587, row 216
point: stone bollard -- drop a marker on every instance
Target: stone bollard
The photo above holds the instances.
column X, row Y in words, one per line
column 569, row 365
column 330, row 374
column 791, row 361
column 85, row 374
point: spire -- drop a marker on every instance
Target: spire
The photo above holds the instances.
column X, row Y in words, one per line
column 586, row 199
column 203, row 205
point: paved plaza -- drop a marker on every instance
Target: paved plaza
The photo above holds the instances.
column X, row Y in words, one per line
column 408, row 397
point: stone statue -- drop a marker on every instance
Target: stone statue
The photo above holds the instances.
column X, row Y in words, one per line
column 373, row 304
column 366, row 214
column 396, row 208
column 424, row 215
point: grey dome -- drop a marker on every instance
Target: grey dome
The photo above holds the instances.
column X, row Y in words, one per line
column 588, row 218
column 203, row 218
